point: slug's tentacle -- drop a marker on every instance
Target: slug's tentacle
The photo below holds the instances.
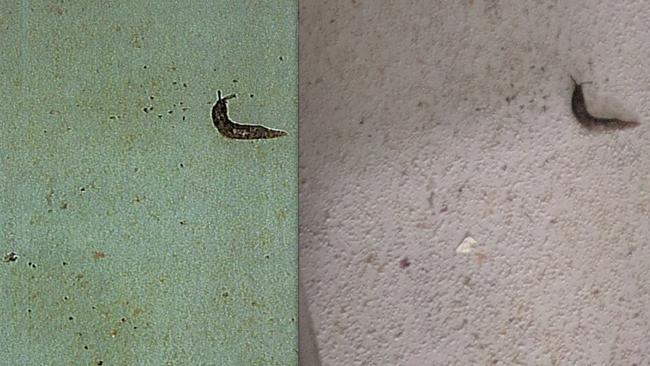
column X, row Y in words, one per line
column 579, row 108
column 233, row 130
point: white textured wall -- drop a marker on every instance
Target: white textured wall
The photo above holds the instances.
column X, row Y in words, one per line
column 424, row 122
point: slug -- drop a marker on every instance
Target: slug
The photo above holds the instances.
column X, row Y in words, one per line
column 579, row 108
column 233, row 130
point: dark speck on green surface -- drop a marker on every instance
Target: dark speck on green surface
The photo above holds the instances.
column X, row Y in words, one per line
column 11, row 257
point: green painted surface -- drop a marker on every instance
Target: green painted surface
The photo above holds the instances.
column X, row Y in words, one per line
column 146, row 238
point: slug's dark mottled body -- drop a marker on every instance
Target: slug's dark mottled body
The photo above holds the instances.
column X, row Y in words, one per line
column 234, row 130
column 583, row 116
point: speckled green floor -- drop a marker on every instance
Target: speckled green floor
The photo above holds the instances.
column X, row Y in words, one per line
column 143, row 236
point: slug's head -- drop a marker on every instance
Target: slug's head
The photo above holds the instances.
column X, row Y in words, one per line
column 221, row 106
column 577, row 84
column 224, row 100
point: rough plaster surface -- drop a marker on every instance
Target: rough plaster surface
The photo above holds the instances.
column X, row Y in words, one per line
column 426, row 122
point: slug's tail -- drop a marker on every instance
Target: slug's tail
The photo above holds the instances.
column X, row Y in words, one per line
column 255, row 132
column 615, row 123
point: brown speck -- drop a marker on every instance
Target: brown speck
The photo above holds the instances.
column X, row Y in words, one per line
column 54, row 112
column 404, row 263
column 480, row 258
column 595, row 292
column 424, row 225
column 11, row 257
column 444, row 208
column 113, row 333
column 99, row 255
column 55, row 9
